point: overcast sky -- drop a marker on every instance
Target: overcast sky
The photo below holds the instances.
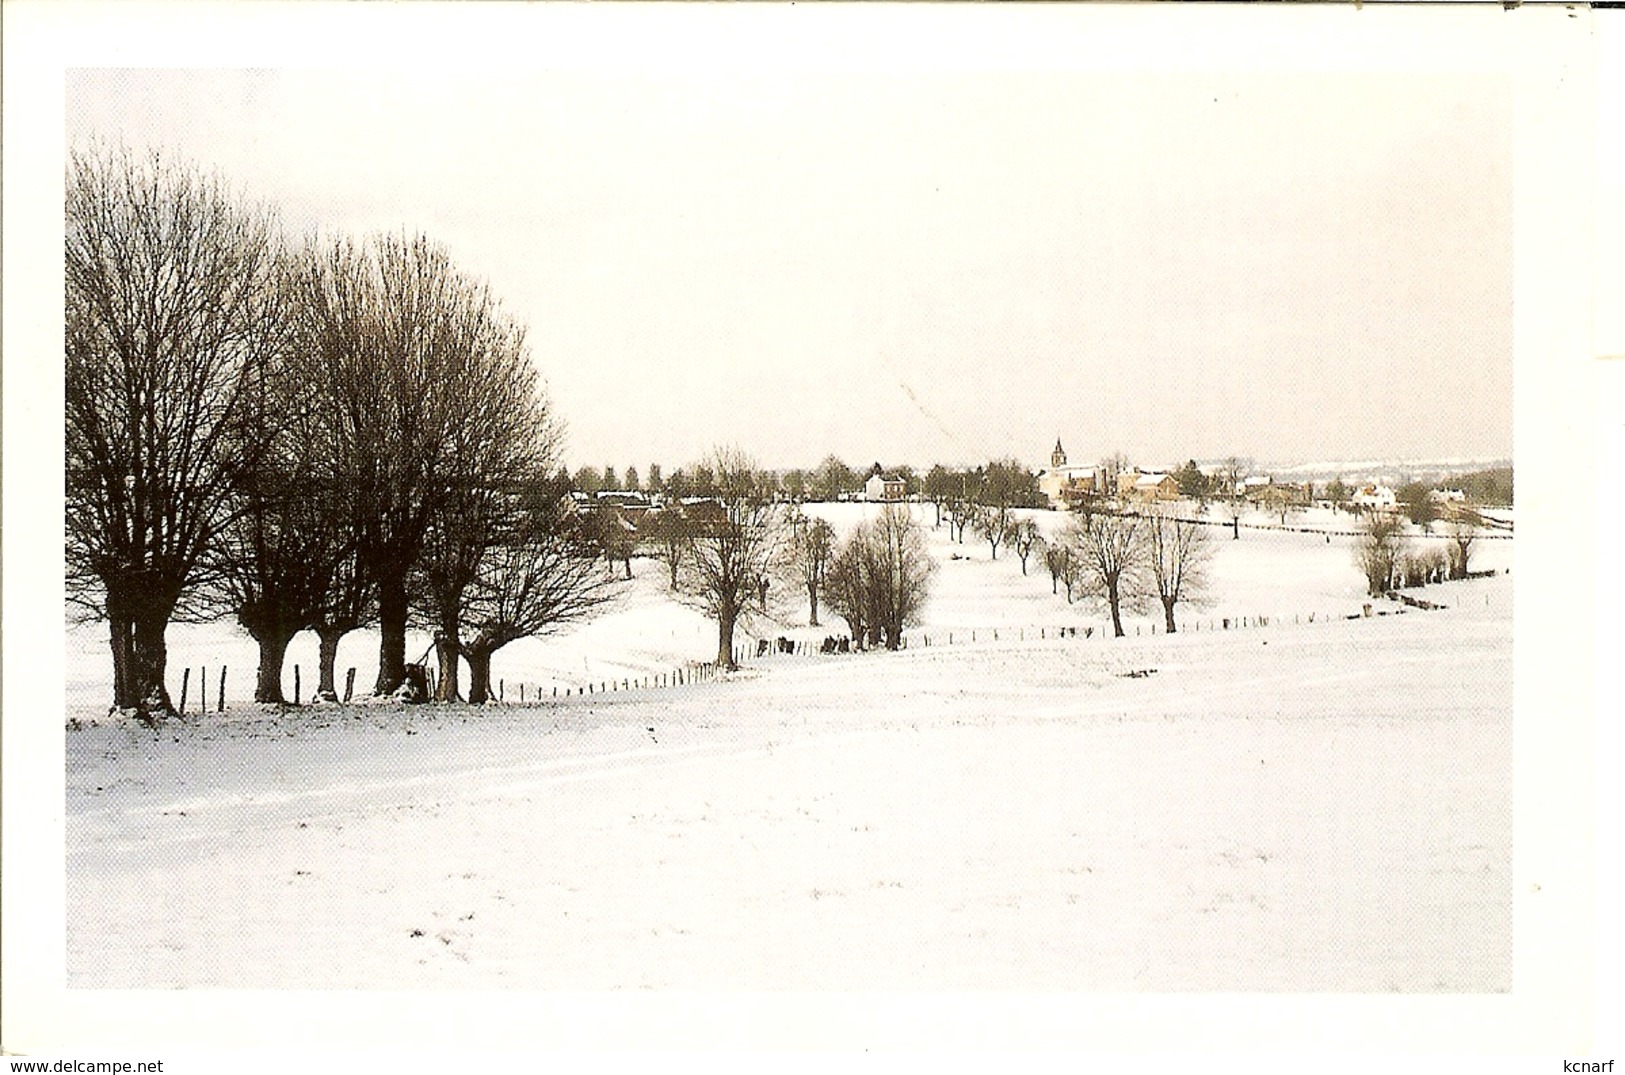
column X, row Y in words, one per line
column 937, row 265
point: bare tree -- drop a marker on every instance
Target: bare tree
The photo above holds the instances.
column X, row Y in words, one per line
column 1056, row 558
column 1337, row 494
column 1004, row 486
column 278, row 558
column 1178, row 551
column 172, row 321
column 812, row 548
column 616, row 537
column 1463, row 532
column 539, row 575
column 672, row 533
column 427, row 392
column 993, row 523
column 962, row 512
column 469, row 525
column 1111, row 557
column 1380, row 548
column 879, row 581
column 1233, row 475
column 733, row 549
column 346, row 605
column 1025, row 539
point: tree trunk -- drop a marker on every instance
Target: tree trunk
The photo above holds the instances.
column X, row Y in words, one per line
column 479, row 676
column 391, row 635
column 1117, row 610
column 273, row 651
column 725, row 642
column 121, row 637
column 447, row 650
column 327, row 656
column 1168, row 614
column 812, row 600
column 151, row 658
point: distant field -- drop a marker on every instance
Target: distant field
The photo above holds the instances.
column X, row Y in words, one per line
column 1272, row 573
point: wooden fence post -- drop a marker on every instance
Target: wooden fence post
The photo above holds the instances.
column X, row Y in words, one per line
column 221, row 708
column 295, row 684
column 501, row 687
column 186, row 679
column 203, row 687
column 349, row 684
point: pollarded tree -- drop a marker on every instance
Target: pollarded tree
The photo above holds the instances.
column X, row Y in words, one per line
column 900, row 571
column 847, row 592
column 812, row 547
column 426, row 390
column 493, row 466
column 733, row 548
column 1111, row 558
column 1463, row 532
column 278, row 559
column 1380, row 549
column 472, row 521
column 347, row 605
column 173, row 319
column 878, row 582
column 1178, row 551
column 538, row 576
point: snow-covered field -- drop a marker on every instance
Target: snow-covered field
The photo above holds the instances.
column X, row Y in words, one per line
column 1303, row 806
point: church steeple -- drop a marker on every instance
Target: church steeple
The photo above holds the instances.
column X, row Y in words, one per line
column 1057, row 458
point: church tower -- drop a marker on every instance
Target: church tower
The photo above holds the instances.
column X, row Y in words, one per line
column 1057, row 458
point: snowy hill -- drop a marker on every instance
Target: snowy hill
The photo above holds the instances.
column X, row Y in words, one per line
column 1302, row 806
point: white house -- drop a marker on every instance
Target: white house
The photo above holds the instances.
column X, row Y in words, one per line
column 884, row 488
column 1375, row 496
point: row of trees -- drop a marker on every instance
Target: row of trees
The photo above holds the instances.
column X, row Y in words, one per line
column 733, row 556
column 1384, row 555
column 1131, row 561
column 312, row 436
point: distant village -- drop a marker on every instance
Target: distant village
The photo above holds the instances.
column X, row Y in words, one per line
column 1061, row 486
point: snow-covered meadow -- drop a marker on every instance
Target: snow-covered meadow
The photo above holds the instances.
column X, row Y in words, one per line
column 1301, row 806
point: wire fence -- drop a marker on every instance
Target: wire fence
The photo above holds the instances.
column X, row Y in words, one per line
column 765, row 650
